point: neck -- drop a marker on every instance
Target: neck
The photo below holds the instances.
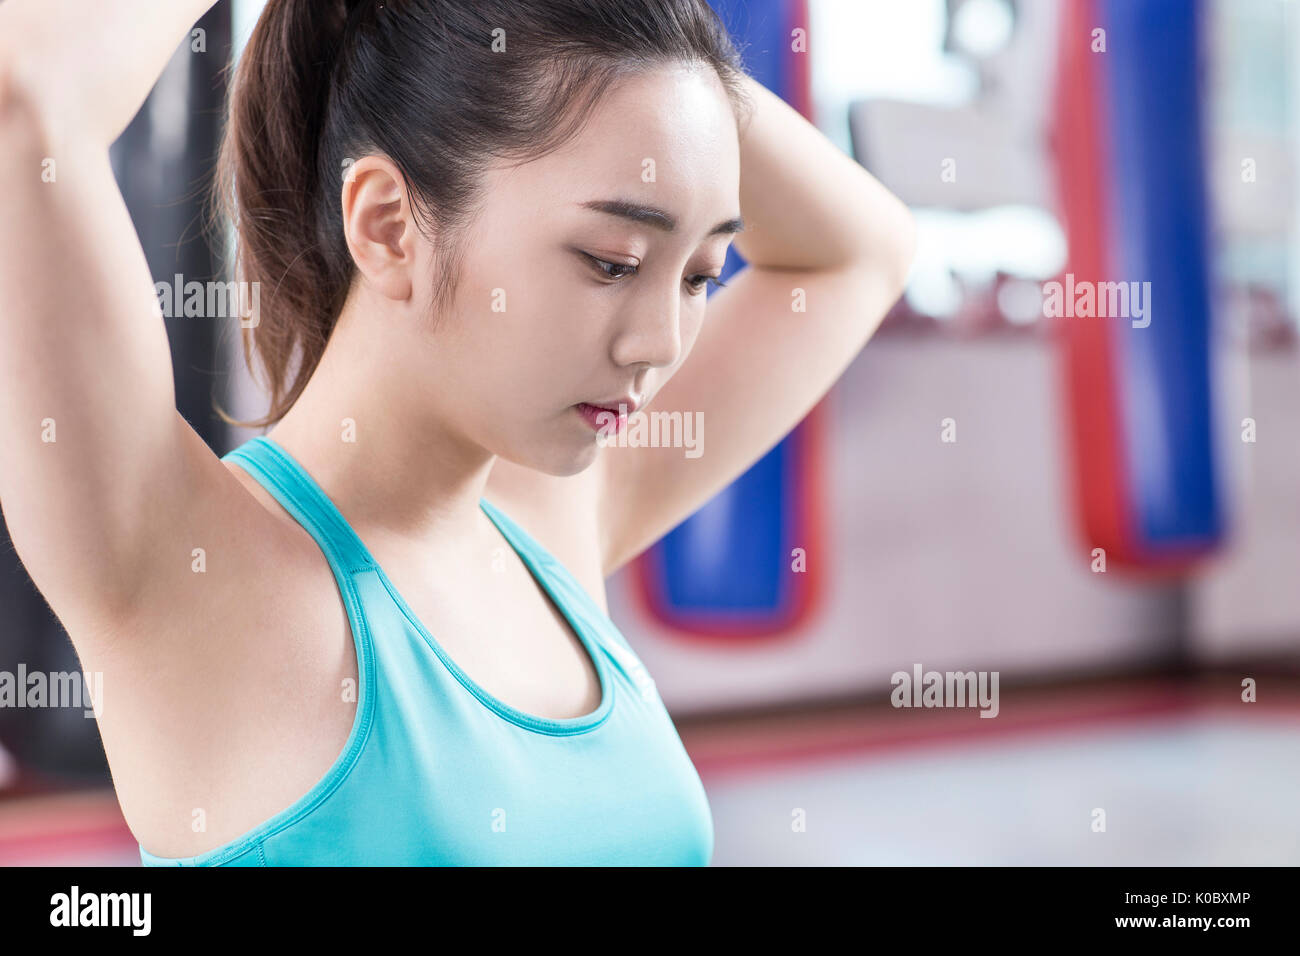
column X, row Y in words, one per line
column 364, row 432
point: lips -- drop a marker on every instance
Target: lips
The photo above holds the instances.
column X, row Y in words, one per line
column 601, row 418
column 632, row 403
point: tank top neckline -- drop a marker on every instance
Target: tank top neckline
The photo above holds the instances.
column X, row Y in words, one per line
column 540, row 564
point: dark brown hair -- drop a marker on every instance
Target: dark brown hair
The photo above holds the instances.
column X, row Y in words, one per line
column 425, row 83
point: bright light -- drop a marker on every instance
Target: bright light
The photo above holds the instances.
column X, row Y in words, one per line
column 983, row 27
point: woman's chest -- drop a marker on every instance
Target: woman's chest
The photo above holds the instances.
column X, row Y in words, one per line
column 507, row 633
column 509, row 609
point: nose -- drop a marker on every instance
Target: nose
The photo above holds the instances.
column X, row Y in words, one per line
column 651, row 333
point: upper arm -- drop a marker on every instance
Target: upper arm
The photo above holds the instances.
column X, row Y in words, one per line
column 95, row 462
column 757, row 368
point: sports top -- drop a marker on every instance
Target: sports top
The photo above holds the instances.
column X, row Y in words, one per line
column 437, row 771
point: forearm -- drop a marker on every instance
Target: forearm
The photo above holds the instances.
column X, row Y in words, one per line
column 87, row 65
column 806, row 204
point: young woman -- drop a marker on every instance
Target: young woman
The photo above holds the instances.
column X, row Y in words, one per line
column 472, row 225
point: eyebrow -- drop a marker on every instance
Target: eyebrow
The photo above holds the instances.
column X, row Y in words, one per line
column 656, row 218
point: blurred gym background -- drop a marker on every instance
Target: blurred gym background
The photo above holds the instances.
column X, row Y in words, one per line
column 1159, row 684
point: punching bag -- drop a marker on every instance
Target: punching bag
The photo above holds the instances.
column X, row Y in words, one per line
column 1134, row 307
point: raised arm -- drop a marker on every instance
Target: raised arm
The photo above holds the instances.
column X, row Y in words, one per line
column 94, row 459
column 88, row 63
column 820, row 231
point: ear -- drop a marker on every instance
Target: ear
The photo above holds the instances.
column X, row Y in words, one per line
column 379, row 227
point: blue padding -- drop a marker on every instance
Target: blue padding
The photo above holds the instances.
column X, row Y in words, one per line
column 760, row 31
column 728, row 555
column 1158, row 229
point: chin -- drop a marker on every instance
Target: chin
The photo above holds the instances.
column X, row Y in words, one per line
column 560, row 460
column 575, row 464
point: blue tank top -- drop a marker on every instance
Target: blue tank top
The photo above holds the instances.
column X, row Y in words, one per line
column 437, row 771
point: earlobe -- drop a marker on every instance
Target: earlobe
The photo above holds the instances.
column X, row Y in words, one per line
column 378, row 227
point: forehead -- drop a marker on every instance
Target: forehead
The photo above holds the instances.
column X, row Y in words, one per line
column 666, row 137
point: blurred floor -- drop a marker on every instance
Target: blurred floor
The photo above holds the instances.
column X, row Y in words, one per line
column 1179, row 791
column 82, row 828
column 1186, row 773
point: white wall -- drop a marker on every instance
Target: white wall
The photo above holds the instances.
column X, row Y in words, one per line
column 962, row 556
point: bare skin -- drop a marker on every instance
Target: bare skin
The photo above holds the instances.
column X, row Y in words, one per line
column 223, row 687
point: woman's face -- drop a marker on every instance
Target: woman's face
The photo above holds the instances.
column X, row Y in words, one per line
column 561, row 301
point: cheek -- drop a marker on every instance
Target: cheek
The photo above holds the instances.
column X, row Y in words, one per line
column 544, row 340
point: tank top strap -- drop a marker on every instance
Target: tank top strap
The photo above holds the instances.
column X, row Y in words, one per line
column 288, row 482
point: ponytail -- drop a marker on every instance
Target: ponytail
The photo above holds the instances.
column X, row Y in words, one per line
column 269, row 188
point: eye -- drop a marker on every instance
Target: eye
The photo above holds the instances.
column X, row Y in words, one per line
column 698, row 283
column 601, row 265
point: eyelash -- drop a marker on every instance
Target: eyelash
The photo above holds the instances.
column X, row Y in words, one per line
column 600, row 263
